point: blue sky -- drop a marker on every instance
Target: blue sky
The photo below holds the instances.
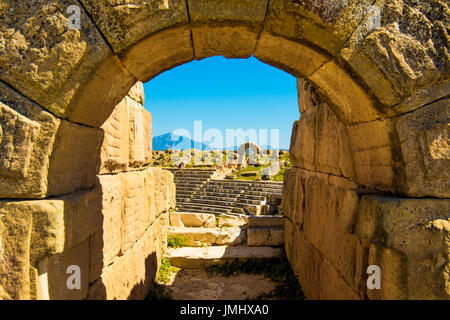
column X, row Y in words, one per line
column 223, row 94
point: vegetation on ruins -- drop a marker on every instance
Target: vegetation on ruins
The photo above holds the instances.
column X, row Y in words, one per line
column 174, row 241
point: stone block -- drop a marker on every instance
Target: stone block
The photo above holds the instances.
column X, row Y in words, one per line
column 127, row 23
column 105, row 243
column 416, row 228
column 352, row 104
column 135, row 215
column 270, row 237
column 188, row 219
column 384, row 47
column 265, row 221
column 58, row 67
column 115, row 148
column 229, row 28
column 42, row 155
column 54, row 274
column 293, row 57
column 425, row 147
column 159, row 52
column 224, row 220
column 326, row 24
column 130, row 275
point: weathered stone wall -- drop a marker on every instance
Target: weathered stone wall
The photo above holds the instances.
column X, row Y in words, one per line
column 352, row 202
column 382, row 67
column 114, row 230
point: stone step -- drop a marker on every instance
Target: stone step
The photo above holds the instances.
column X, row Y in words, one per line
column 200, row 237
column 266, row 221
column 192, row 220
column 198, row 210
column 248, row 183
column 269, row 237
column 229, row 220
column 206, row 208
column 244, row 200
column 221, row 191
column 216, row 198
column 188, row 185
column 191, row 171
column 200, row 257
column 244, row 188
column 212, row 202
column 189, row 180
column 219, row 196
column 180, row 188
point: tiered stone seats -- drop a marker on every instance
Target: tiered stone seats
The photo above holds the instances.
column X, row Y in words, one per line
column 197, row 192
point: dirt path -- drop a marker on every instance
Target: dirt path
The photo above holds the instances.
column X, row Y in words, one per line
column 195, row 284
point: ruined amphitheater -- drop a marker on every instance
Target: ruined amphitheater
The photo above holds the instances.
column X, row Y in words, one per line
column 370, row 178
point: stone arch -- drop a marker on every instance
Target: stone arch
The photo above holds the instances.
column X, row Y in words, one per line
column 377, row 71
column 242, row 150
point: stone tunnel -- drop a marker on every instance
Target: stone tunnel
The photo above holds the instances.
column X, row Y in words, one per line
column 370, row 152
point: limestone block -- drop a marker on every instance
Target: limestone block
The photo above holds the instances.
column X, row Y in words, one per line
column 148, row 143
column 136, row 136
column 130, row 275
column 58, row 224
column 330, row 209
column 127, row 22
column 372, row 147
column 327, row 24
column 393, row 274
column 188, row 219
column 231, row 236
column 164, row 189
column 198, row 237
column 319, row 279
column 128, row 135
column 320, row 141
column 135, row 215
column 425, row 147
column 271, row 237
column 307, row 95
column 303, row 140
column 115, row 148
column 419, row 230
column 57, row 67
column 140, row 133
column 105, row 243
column 231, row 221
column 293, row 57
column 54, row 273
column 15, row 233
column 35, row 160
column 385, row 49
column 265, row 221
column 324, row 207
column 293, row 195
column 159, row 52
column 147, row 193
column 137, row 92
column 75, row 158
column 26, row 138
column 352, row 104
column 229, row 28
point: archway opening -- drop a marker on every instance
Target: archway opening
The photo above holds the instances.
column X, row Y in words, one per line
column 377, row 86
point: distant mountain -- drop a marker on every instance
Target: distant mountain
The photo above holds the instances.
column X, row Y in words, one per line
column 171, row 141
